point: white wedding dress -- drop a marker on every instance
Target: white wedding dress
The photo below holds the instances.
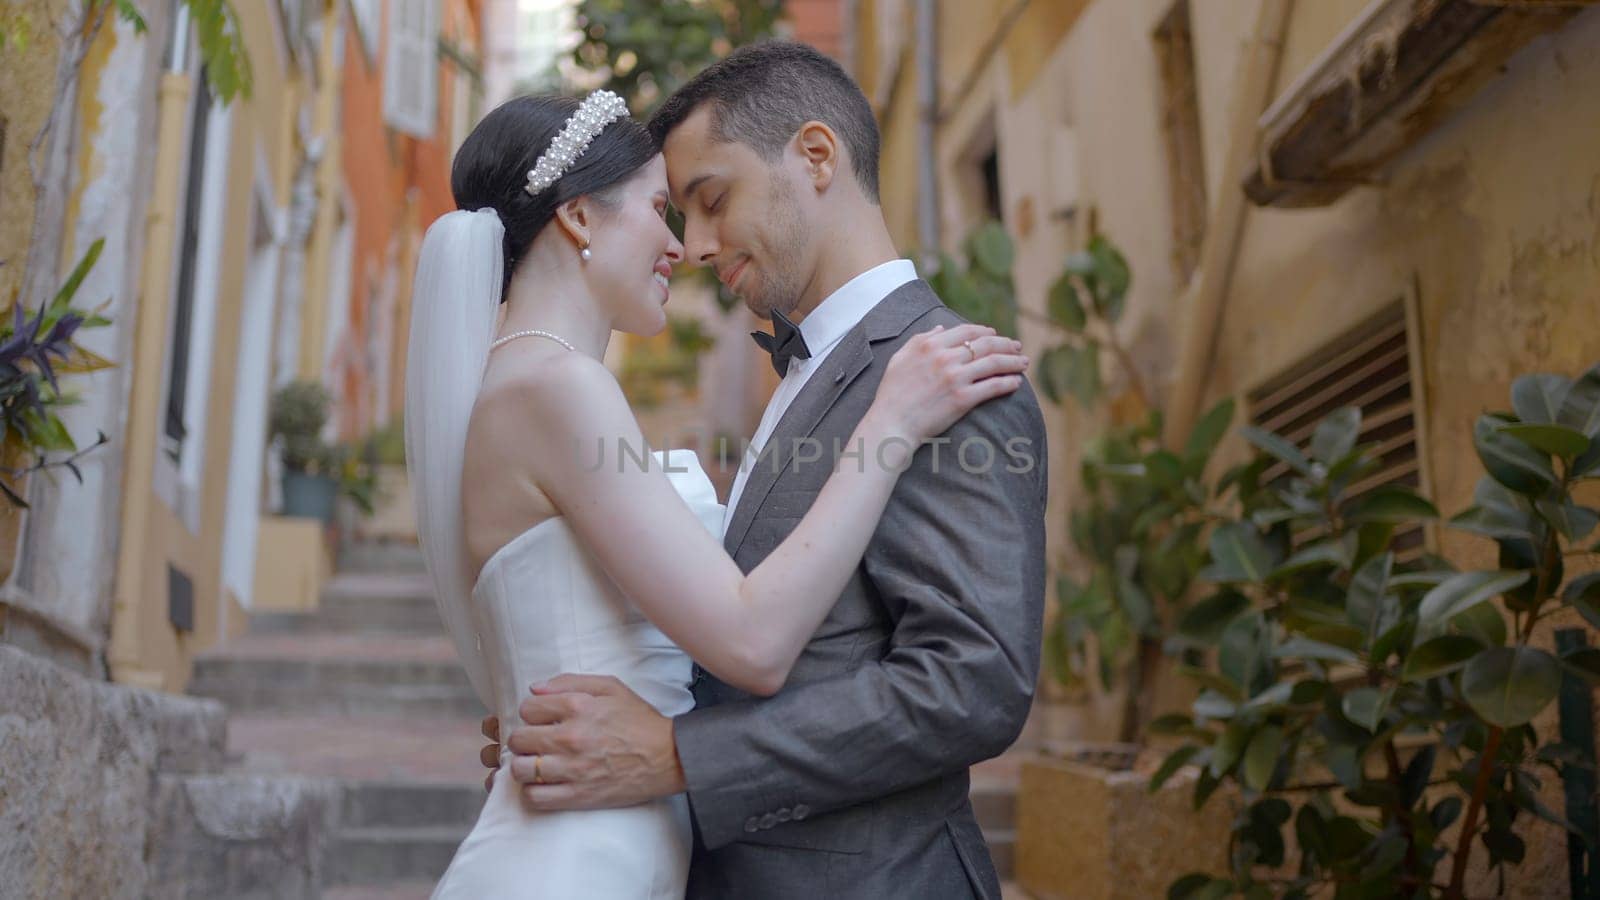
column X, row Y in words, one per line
column 544, row 607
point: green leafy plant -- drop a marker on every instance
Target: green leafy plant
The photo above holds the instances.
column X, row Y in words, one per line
column 217, row 31
column 646, row 49
column 979, row 287
column 386, row 445
column 1085, row 304
column 1140, row 526
column 34, row 350
column 1141, row 521
column 1372, row 703
column 358, row 477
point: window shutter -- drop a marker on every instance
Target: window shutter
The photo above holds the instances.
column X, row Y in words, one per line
column 367, row 15
column 410, row 70
column 1369, row 368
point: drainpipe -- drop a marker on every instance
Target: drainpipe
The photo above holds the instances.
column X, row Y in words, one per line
column 850, row 17
column 927, row 131
column 1207, row 294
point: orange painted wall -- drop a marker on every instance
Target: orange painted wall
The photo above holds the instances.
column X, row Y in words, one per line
column 398, row 185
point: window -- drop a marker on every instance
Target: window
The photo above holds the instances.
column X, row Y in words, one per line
column 976, row 196
column 1371, row 368
column 1180, row 125
column 196, row 258
column 366, row 14
column 989, row 170
column 410, row 67
column 188, row 252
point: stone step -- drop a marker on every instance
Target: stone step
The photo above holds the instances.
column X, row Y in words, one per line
column 1003, row 850
column 994, row 803
column 336, row 675
column 402, row 804
column 238, row 836
column 347, row 700
column 393, row 890
column 380, row 557
column 361, row 749
column 386, row 855
column 995, row 806
column 400, row 604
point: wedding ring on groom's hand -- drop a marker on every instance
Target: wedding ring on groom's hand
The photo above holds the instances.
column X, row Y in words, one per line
column 537, row 778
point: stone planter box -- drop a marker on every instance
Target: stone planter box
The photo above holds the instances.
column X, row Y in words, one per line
column 1087, row 832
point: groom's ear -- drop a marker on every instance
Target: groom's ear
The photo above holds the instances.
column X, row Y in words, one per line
column 820, row 149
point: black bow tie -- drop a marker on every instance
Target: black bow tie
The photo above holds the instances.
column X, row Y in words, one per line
column 784, row 343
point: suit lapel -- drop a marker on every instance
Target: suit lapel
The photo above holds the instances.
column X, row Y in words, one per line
column 848, row 360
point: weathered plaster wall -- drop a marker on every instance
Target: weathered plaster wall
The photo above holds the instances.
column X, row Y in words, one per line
column 27, row 92
column 70, row 545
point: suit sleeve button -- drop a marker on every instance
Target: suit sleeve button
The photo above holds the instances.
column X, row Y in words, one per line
column 786, row 814
column 768, row 820
column 801, row 811
column 752, row 824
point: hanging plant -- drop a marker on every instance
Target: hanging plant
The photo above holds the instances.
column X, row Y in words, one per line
column 34, row 351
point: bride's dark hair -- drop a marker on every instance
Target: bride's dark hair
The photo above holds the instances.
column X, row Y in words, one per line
column 491, row 168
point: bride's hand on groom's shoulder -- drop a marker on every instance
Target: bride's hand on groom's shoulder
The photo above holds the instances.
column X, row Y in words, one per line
column 938, row 376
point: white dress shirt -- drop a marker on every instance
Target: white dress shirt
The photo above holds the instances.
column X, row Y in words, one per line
column 822, row 330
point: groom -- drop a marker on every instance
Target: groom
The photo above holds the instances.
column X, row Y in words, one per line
column 852, row 781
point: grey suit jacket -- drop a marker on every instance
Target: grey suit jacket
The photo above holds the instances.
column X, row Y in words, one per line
column 852, row 781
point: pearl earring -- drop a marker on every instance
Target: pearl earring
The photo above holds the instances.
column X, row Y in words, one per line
column 585, row 255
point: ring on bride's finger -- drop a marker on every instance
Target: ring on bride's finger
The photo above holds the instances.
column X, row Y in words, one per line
column 968, row 345
column 537, row 778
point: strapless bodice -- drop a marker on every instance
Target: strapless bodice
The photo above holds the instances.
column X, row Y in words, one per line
column 544, row 607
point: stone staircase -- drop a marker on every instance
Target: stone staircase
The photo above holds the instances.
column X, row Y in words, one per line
column 365, row 694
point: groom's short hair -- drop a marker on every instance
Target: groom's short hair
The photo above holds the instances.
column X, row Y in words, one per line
column 761, row 94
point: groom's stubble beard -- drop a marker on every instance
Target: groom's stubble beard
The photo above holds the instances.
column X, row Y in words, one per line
column 784, row 233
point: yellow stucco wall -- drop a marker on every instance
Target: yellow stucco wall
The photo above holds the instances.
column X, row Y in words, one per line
column 146, row 649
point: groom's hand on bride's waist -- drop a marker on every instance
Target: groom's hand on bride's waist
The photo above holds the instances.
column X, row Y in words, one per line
column 588, row 742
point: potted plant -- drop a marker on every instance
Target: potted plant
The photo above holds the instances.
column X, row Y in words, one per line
column 33, row 352
column 311, row 468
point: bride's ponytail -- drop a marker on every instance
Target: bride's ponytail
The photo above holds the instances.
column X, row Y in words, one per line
column 455, row 300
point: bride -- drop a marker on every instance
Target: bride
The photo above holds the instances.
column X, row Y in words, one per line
column 555, row 542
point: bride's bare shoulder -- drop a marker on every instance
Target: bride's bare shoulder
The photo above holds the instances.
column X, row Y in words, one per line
column 530, row 414
column 560, row 395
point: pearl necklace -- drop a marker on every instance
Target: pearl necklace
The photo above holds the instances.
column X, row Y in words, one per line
column 533, row 333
